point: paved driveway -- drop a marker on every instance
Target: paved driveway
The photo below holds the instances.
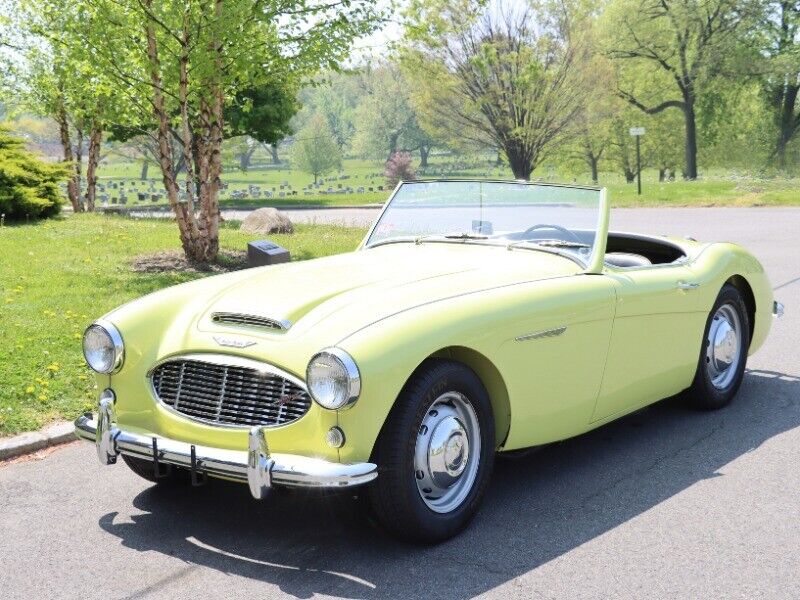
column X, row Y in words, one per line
column 665, row 503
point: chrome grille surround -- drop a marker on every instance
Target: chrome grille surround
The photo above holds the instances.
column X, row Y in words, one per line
column 228, row 391
column 244, row 320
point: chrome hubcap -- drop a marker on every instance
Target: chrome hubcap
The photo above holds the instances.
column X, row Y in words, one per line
column 447, row 452
column 723, row 346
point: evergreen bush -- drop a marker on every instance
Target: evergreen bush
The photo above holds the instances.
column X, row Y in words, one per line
column 29, row 186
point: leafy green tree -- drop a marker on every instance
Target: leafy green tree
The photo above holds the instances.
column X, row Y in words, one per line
column 387, row 120
column 674, row 48
column 29, row 187
column 260, row 114
column 778, row 39
column 180, row 63
column 335, row 96
column 315, row 149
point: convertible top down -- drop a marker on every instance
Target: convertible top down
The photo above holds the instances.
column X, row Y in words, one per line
column 476, row 317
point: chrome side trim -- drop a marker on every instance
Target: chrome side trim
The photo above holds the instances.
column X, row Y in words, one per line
column 537, row 335
column 225, row 360
column 288, row 470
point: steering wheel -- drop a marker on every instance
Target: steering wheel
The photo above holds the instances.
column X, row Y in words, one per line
column 563, row 230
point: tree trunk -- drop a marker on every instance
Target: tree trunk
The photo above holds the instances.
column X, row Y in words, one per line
column 92, row 160
column 787, row 123
column 273, row 149
column 145, row 167
column 592, row 159
column 245, row 158
column 210, row 153
column 630, row 174
column 662, row 174
column 424, row 151
column 519, row 161
column 73, row 186
column 187, row 225
column 690, row 171
column 393, row 139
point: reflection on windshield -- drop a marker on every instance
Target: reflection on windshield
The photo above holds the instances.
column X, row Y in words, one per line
column 515, row 214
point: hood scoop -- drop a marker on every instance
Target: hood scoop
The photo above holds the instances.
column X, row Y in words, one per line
column 245, row 320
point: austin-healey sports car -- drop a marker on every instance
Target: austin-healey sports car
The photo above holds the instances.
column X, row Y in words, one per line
column 476, row 318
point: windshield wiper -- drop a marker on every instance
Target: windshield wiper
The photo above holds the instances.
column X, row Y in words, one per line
column 548, row 244
column 452, row 236
column 562, row 244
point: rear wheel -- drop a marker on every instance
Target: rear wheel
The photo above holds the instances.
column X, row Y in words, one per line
column 434, row 454
column 723, row 354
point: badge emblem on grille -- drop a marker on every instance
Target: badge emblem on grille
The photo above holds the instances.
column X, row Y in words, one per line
column 233, row 342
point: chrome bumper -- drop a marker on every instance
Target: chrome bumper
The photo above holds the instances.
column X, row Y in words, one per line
column 256, row 466
column 777, row 309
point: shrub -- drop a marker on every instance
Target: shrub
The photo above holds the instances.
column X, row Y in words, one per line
column 29, row 187
column 398, row 168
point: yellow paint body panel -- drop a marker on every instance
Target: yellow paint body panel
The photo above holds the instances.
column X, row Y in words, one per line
column 592, row 347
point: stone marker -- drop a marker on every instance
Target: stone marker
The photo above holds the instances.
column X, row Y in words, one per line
column 264, row 252
column 267, row 220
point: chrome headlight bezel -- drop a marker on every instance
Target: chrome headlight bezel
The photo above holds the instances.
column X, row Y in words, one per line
column 350, row 379
column 115, row 347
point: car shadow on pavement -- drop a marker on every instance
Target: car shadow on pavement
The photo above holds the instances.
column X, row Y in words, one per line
column 537, row 509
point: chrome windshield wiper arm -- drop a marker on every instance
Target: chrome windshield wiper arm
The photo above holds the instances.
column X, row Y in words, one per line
column 547, row 244
column 452, row 236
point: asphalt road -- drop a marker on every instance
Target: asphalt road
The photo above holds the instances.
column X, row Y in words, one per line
column 666, row 503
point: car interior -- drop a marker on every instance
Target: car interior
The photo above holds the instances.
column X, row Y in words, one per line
column 623, row 250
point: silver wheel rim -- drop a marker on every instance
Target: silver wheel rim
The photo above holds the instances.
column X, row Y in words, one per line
column 724, row 346
column 447, row 452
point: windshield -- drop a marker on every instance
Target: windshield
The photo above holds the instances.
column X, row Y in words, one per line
column 560, row 219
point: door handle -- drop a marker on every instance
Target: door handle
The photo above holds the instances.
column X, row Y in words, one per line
column 688, row 285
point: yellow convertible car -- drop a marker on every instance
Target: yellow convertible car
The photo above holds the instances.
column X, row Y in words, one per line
column 476, row 317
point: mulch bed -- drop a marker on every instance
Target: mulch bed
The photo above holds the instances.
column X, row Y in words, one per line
column 176, row 262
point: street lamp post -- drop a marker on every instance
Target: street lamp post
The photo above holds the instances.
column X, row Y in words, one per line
column 638, row 132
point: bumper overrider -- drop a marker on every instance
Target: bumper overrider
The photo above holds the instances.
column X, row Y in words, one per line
column 256, row 466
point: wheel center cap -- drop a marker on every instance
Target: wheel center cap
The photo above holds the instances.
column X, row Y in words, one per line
column 448, row 452
column 725, row 345
column 454, row 455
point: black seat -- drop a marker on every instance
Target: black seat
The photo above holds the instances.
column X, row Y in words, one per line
column 626, row 259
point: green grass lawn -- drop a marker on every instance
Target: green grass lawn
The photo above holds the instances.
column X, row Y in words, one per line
column 57, row 276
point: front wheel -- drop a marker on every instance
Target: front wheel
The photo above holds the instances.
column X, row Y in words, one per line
column 434, row 454
column 720, row 368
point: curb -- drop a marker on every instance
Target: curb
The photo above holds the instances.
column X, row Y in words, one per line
column 31, row 441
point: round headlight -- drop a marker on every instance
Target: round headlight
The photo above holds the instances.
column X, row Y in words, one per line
column 333, row 379
column 102, row 347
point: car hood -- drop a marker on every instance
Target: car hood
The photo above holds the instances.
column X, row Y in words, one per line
column 353, row 290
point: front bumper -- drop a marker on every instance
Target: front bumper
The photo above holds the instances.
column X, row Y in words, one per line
column 256, row 466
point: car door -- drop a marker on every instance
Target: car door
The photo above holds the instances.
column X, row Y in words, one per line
column 552, row 358
column 656, row 337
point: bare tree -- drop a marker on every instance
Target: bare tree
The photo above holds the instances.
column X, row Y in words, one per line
column 510, row 78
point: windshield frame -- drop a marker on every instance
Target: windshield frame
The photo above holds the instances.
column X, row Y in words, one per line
column 596, row 258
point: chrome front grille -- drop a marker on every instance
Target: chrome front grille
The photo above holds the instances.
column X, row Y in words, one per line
column 236, row 392
column 228, row 318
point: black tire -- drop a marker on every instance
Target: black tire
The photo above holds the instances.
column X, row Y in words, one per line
column 145, row 469
column 395, row 496
column 704, row 394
